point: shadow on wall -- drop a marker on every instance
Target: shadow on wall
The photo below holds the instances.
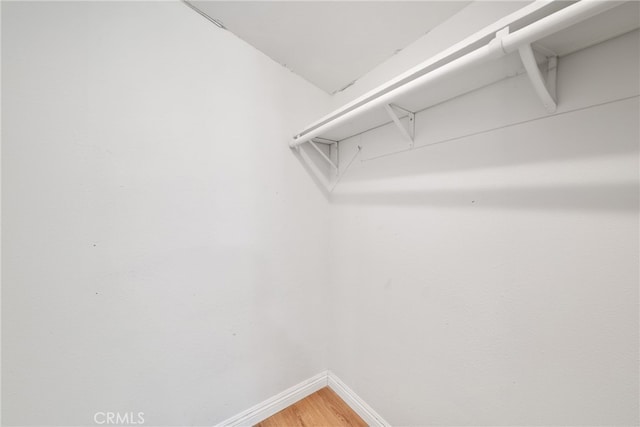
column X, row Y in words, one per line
column 622, row 196
column 586, row 159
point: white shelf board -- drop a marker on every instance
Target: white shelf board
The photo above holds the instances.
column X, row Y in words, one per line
column 448, row 87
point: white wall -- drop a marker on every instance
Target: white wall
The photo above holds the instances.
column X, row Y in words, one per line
column 490, row 277
column 163, row 252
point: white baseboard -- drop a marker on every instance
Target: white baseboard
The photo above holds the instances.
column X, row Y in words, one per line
column 358, row 405
column 277, row 403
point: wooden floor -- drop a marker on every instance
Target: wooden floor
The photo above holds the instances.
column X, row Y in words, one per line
column 322, row 408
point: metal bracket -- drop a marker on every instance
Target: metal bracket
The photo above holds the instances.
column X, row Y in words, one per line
column 334, row 156
column 333, row 150
column 545, row 90
column 410, row 130
column 324, row 156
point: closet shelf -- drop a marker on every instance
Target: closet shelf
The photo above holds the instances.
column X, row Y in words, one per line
column 533, row 38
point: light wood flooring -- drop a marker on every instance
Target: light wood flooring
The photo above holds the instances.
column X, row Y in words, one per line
column 324, row 408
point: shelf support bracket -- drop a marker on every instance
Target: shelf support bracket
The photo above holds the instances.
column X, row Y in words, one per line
column 545, row 90
column 324, row 156
column 409, row 131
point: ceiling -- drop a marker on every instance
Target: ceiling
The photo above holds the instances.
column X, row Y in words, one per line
column 329, row 43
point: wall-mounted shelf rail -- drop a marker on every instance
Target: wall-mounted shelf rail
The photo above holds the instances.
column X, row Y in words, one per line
column 526, row 41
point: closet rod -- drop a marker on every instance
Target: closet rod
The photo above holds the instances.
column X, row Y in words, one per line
column 504, row 43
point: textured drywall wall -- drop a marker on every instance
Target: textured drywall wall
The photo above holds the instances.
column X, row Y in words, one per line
column 163, row 250
column 490, row 276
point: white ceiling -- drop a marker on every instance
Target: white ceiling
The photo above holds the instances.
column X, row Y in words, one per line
column 329, row 43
